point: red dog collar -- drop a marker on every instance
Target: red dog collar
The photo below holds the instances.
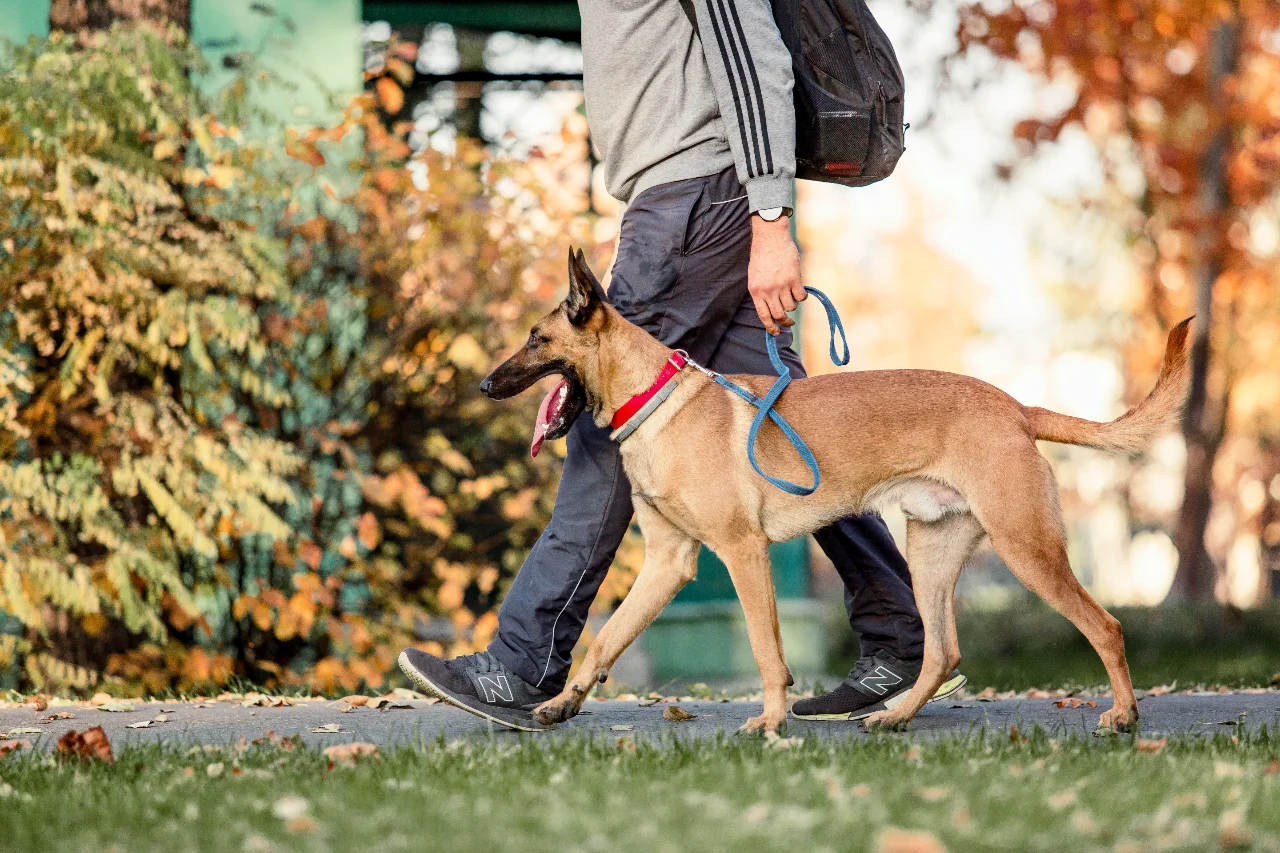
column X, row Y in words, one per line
column 639, row 407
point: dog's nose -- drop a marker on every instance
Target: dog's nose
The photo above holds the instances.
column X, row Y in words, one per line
column 486, row 386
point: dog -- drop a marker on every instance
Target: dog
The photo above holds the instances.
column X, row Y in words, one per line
column 958, row 455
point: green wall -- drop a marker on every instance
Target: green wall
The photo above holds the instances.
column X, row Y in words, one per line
column 321, row 57
column 22, row 18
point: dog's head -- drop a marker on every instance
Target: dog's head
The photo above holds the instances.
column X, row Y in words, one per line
column 566, row 342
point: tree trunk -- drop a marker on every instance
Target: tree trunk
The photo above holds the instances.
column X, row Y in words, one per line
column 76, row 15
column 1196, row 577
column 469, row 97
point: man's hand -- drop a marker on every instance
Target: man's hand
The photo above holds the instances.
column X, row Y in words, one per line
column 773, row 274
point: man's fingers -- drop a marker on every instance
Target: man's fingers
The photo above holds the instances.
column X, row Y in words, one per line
column 788, row 303
column 765, row 317
column 779, row 315
column 798, row 292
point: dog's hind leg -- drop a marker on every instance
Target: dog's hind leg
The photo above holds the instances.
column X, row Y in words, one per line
column 670, row 561
column 1026, row 531
column 749, row 569
column 937, row 552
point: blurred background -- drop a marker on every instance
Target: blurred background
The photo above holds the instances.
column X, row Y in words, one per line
column 256, row 256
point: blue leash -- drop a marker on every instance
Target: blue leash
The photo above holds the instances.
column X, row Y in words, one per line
column 765, row 404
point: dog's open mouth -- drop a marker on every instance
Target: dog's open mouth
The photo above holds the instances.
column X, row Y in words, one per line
column 555, row 415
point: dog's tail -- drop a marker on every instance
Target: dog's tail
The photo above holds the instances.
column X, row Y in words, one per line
column 1135, row 429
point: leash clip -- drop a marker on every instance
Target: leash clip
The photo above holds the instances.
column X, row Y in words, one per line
column 698, row 367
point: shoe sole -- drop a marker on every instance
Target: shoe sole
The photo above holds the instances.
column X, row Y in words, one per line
column 426, row 685
column 948, row 689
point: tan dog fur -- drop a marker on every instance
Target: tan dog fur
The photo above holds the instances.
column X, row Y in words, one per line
column 957, row 454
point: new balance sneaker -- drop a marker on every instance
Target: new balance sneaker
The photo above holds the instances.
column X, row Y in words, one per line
column 877, row 683
column 479, row 684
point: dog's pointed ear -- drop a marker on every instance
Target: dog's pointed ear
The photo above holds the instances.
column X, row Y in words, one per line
column 586, row 296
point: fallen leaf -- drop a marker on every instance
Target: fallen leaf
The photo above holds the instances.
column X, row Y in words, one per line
column 349, row 752
column 116, row 707
column 1151, row 745
column 1091, row 703
column 406, row 693
column 91, row 744
column 301, row 824
column 101, row 698
column 356, row 701
column 61, row 715
column 330, row 729
column 894, row 840
column 263, row 701
column 25, row 730
column 382, row 703
column 41, row 701
column 961, row 705
column 621, row 728
column 8, row 746
column 676, row 714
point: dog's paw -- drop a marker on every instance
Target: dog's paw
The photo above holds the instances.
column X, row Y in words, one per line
column 553, row 711
column 885, row 721
column 1117, row 721
column 763, row 724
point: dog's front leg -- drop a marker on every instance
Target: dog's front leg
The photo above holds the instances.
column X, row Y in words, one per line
column 670, row 561
column 748, row 564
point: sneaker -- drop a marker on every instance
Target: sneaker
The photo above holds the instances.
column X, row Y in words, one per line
column 877, row 683
column 479, row 684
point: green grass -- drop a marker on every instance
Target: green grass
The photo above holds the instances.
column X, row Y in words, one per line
column 1028, row 645
column 974, row 793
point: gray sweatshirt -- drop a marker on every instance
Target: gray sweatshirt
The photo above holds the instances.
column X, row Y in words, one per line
column 666, row 101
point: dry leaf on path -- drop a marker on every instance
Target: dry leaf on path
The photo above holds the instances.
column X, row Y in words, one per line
column 41, row 701
column 25, row 730
column 146, row 724
column 101, row 699
column 676, row 714
column 330, row 729
column 621, row 728
column 116, row 707
column 91, row 744
column 406, row 693
column 347, row 753
column 61, row 715
column 383, row 703
column 355, row 701
column 259, row 700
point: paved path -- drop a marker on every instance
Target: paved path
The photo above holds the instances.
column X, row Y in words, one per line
column 224, row 723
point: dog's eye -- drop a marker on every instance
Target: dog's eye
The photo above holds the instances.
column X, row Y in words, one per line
column 535, row 340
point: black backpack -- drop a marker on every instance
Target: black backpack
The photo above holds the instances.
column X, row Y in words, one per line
column 848, row 90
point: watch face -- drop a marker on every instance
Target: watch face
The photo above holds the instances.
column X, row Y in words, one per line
column 770, row 214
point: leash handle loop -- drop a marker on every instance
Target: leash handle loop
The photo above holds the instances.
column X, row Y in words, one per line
column 765, row 405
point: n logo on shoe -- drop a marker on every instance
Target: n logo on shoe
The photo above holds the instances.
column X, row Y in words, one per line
column 495, row 688
column 880, row 680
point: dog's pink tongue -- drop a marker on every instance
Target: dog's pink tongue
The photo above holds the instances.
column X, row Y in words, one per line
column 545, row 413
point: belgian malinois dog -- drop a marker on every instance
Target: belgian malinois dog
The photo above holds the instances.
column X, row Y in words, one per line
column 957, row 454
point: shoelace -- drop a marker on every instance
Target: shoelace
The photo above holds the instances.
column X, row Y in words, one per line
column 480, row 662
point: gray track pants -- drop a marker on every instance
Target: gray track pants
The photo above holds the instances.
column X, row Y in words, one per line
column 681, row 274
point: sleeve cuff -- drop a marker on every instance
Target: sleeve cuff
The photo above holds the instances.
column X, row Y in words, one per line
column 769, row 191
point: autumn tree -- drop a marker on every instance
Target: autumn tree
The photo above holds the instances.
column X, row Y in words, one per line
column 77, row 15
column 1182, row 99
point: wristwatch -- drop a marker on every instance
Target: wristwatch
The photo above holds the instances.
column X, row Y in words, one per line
column 772, row 214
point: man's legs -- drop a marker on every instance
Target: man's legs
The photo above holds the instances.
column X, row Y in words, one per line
column 678, row 275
